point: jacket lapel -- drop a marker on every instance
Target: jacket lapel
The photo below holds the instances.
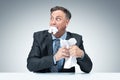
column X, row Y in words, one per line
column 68, row 36
column 49, row 43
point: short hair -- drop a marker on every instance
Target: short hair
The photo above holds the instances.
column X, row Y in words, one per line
column 66, row 11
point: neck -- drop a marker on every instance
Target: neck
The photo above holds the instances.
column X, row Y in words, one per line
column 59, row 34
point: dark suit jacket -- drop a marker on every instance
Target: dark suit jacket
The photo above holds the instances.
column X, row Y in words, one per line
column 40, row 58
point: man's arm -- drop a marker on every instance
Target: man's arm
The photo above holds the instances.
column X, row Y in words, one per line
column 84, row 60
column 85, row 63
column 38, row 58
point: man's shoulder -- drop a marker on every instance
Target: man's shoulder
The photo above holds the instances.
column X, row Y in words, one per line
column 41, row 33
column 74, row 34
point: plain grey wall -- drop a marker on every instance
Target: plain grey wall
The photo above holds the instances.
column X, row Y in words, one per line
column 98, row 21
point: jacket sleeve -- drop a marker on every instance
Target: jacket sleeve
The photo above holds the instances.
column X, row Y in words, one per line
column 85, row 63
column 36, row 60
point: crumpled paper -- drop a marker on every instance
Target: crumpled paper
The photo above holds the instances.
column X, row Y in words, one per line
column 52, row 30
column 71, row 61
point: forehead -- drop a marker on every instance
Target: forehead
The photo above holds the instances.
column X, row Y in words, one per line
column 58, row 13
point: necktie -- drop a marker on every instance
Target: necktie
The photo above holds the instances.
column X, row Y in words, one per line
column 57, row 45
column 58, row 66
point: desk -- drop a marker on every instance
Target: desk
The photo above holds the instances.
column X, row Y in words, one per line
column 59, row 76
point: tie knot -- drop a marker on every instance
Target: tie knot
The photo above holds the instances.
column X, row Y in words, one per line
column 57, row 39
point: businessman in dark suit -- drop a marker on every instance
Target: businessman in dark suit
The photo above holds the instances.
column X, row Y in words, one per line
column 41, row 57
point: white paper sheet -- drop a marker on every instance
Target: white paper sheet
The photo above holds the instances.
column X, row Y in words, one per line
column 69, row 62
column 52, row 29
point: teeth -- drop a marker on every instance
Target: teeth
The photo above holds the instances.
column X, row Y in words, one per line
column 53, row 30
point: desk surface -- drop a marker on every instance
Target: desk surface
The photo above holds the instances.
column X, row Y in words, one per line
column 59, row 76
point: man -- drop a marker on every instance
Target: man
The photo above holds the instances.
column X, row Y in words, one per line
column 42, row 58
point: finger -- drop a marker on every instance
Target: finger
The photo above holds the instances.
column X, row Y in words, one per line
column 65, row 54
column 65, row 50
column 71, row 51
column 70, row 47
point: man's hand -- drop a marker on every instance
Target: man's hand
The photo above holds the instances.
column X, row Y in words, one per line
column 62, row 53
column 75, row 51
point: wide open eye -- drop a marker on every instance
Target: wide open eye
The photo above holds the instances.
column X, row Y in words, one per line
column 58, row 19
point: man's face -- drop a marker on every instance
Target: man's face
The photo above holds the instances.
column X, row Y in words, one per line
column 58, row 19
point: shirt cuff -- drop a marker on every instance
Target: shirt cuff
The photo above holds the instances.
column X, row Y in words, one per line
column 54, row 60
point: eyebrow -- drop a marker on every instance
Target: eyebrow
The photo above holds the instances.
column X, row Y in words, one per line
column 57, row 16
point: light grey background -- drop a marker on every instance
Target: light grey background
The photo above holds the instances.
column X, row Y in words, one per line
column 98, row 21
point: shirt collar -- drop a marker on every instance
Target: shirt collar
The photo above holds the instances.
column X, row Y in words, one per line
column 63, row 37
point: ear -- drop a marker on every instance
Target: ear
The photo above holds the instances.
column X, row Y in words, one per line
column 67, row 22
